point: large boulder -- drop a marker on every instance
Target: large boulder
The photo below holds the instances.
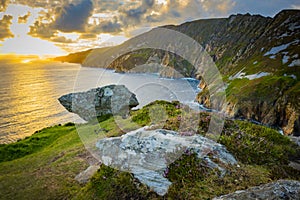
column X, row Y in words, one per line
column 147, row 154
column 108, row 100
column 282, row 189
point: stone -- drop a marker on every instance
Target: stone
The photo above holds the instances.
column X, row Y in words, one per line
column 84, row 176
column 107, row 100
column 282, row 189
column 147, row 154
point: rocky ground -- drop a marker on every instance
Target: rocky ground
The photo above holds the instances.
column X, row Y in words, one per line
column 48, row 164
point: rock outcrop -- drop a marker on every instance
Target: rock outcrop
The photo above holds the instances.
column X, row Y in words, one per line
column 282, row 189
column 147, row 154
column 108, row 100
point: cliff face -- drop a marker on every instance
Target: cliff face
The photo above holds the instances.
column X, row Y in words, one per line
column 257, row 56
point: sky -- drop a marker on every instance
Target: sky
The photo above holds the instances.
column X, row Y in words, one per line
column 47, row 27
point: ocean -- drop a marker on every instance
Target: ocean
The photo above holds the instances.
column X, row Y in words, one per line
column 29, row 93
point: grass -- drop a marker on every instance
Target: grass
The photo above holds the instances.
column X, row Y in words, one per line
column 42, row 170
column 44, row 165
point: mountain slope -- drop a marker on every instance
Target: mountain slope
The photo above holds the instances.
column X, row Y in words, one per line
column 257, row 56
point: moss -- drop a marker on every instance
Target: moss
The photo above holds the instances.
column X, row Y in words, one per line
column 111, row 184
column 143, row 118
column 267, row 88
column 254, row 144
column 192, row 180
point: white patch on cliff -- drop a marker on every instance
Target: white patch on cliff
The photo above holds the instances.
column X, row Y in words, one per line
column 295, row 63
column 294, row 26
column 277, row 49
column 285, row 59
column 283, row 35
column 240, row 74
column 292, row 76
column 256, row 76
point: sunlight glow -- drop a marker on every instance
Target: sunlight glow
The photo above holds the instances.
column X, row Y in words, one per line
column 26, row 61
column 163, row 2
column 22, row 43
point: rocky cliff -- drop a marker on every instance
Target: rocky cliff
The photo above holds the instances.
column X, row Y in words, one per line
column 257, row 56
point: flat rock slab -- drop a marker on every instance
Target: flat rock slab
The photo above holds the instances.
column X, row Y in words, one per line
column 282, row 189
column 147, row 154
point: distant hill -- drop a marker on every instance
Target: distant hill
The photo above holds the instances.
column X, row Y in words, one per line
column 77, row 57
column 257, row 56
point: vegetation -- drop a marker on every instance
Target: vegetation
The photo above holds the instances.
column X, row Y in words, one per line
column 47, row 162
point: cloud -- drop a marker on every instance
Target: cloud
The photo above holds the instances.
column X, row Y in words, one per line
column 3, row 5
column 90, row 18
column 41, row 3
column 217, row 7
column 133, row 14
column 61, row 39
column 78, row 16
column 42, row 30
column 107, row 27
column 73, row 17
column 64, row 18
column 85, row 36
column 24, row 19
column 5, row 23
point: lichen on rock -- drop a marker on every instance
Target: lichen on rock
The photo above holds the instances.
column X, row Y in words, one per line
column 147, row 154
column 107, row 100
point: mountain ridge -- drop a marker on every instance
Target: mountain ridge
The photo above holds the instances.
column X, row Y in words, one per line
column 257, row 56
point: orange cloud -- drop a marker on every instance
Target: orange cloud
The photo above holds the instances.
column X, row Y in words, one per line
column 5, row 31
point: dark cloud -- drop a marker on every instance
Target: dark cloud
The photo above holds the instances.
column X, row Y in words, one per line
column 5, row 23
column 107, row 27
column 74, row 17
column 107, row 5
column 24, row 19
column 132, row 15
column 65, row 18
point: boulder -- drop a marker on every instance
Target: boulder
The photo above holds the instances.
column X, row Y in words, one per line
column 107, row 100
column 147, row 154
column 282, row 189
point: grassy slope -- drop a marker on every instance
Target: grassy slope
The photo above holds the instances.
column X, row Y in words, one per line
column 44, row 165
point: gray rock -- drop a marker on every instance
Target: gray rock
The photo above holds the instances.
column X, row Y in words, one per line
column 147, row 154
column 86, row 175
column 111, row 99
column 282, row 189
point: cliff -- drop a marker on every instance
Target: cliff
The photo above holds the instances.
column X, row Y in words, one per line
column 257, row 56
